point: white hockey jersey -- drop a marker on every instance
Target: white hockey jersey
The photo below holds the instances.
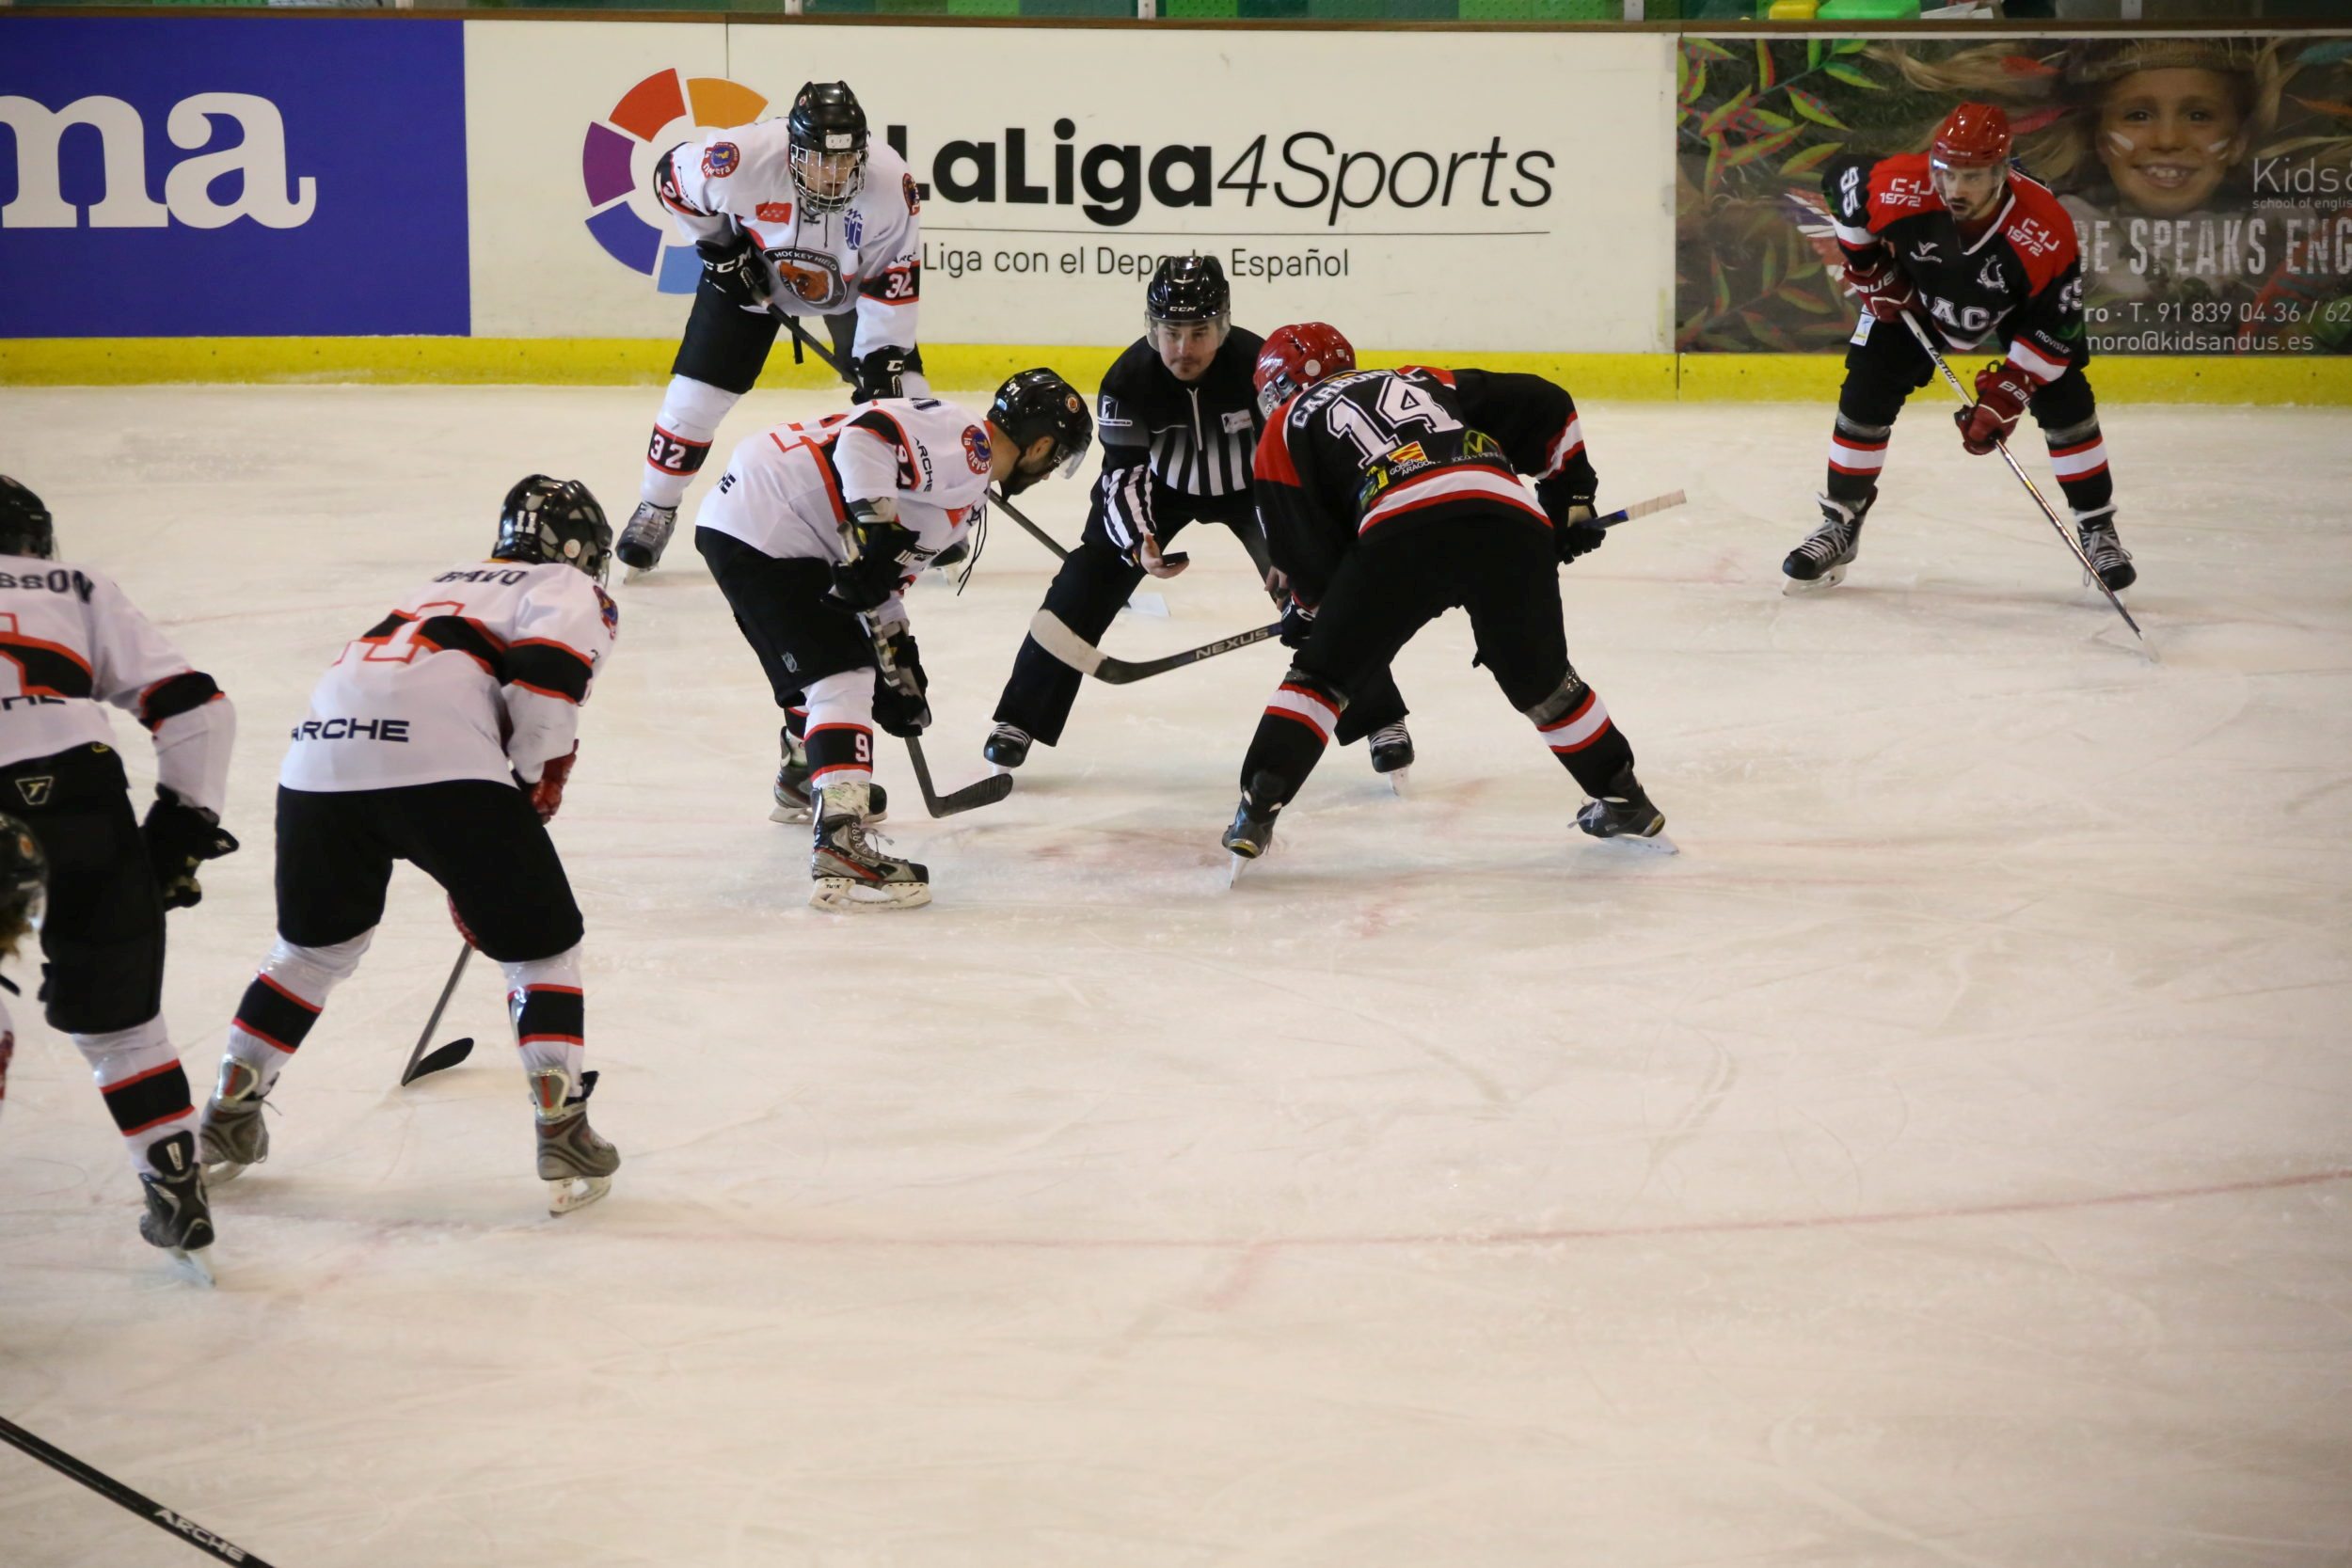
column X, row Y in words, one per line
column 478, row 674
column 871, row 251
column 787, row 490
column 70, row 639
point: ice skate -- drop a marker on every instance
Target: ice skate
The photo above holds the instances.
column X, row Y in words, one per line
column 233, row 1136
column 1251, row 832
column 1393, row 754
column 1822, row 561
column 2109, row 557
column 851, row 874
column 575, row 1163
column 178, row 1219
column 1624, row 812
column 1007, row 746
column 791, row 792
column 646, row 537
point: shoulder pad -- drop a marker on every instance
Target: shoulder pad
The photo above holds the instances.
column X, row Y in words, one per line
column 2039, row 230
column 1900, row 188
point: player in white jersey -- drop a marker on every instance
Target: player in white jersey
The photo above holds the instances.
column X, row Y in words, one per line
column 443, row 736
column 813, row 531
column 798, row 216
column 71, row 639
column 23, row 882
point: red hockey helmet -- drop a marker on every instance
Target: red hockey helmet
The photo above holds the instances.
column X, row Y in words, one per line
column 1975, row 136
column 1295, row 358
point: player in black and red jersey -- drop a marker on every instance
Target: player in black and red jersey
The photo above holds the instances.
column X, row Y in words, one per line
column 1391, row 496
column 1982, row 253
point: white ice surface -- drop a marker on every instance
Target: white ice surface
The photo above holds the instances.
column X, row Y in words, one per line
column 1943, row 1161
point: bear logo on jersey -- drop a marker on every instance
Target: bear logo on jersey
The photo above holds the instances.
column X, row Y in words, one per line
column 720, row 159
column 813, row 276
column 976, row 447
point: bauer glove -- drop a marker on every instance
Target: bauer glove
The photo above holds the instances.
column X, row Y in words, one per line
column 180, row 837
column 1886, row 291
column 2002, row 393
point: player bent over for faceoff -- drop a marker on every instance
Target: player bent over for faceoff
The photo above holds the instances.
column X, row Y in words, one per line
column 401, row 758
column 798, row 216
column 1178, row 418
column 813, row 531
column 1389, row 499
column 1952, row 237
column 69, row 640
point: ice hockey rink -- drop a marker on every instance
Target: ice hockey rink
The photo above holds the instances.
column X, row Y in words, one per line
column 1945, row 1160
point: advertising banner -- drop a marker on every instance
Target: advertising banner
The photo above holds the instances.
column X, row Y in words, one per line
column 1056, row 166
column 182, row 177
column 2209, row 179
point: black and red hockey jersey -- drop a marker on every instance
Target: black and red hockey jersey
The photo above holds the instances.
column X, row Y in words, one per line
column 2020, row 280
column 1385, row 449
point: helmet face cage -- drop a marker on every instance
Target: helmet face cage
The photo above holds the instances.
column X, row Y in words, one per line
column 828, row 156
column 548, row 520
column 1040, row 403
column 25, row 526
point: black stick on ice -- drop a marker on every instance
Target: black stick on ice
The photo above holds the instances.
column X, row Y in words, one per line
column 115, row 1492
column 419, row 1061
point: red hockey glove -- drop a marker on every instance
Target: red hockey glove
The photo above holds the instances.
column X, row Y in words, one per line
column 546, row 796
column 1886, row 289
column 2002, row 393
column 462, row 929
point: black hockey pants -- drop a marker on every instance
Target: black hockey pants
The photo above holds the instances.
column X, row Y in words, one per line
column 103, row 934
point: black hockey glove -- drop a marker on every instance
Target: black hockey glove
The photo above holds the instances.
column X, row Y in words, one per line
column 1569, row 502
column 885, row 556
column 902, row 701
column 735, row 267
column 881, row 375
column 1298, row 623
column 180, row 837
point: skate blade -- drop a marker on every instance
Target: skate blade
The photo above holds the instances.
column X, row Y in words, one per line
column 1235, row 865
column 1654, row 844
column 788, row 814
column 1398, row 780
column 217, row 1172
column 191, row 1267
column 1830, row 579
column 576, row 1192
column 840, row 896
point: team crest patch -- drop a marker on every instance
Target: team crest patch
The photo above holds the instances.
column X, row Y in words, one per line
column 976, row 447
column 853, row 228
column 610, row 611
column 914, row 198
column 720, row 159
column 776, row 212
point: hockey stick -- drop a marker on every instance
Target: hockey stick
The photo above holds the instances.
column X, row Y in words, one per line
column 115, row 1492
column 1055, row 636
column 2073, row 544
column 422, row 1062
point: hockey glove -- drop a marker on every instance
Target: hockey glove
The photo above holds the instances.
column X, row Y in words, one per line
column 180, row 837
column 902, row 701
column 885, row 554
column 546, row 796
column 1570, row 505
column 881, row 375
column 1886, row 291
column 735, row 267
column 2002, row 393
column 1298, row 623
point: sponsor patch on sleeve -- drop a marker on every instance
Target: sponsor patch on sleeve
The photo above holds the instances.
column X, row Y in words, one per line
column 914, row 199
column 720, row 159
column 976, row 447
column 610, row 611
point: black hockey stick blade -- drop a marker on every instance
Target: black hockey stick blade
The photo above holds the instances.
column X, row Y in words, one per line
column 1057, row 638
column 147, row 1508
column 986, row 792
column 439, row 1057
column 1667, row 502
column 419, row 1061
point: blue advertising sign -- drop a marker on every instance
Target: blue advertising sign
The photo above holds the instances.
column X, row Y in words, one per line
column 231, row 176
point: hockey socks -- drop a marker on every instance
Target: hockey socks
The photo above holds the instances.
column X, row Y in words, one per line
column 283, row 1002
column 549, row 1012
column 146, row 1091
column 2078, row 454
column 837, row 729
column 1574, row 722
column 691, row 412
column 1297, row 726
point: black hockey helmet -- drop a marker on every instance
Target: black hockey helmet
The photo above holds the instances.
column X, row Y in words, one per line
column 1039, row 402
column 23, row 881
column 546, row 519
column 1188, row 289
column 25, row 526
column 828, row 135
